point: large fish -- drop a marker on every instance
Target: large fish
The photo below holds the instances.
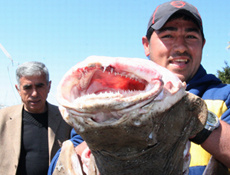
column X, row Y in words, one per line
column 134, row 115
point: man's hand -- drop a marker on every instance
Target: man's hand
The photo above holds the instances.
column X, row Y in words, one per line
column 80, row 148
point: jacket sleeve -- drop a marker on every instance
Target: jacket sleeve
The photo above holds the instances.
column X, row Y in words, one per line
column 226, row 115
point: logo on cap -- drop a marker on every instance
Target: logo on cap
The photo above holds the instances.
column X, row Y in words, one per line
column 178, row 4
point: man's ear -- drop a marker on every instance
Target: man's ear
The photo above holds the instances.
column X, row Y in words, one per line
column 49, row 85
column 204, row 42
column 18, row 89
column 16, row 86
column 145, row 43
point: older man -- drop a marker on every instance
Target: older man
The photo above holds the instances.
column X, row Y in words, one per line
column 32, row 132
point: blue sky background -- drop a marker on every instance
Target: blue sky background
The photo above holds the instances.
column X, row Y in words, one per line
column 61, row 33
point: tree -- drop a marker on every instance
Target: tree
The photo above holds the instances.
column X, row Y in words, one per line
column 224, row 75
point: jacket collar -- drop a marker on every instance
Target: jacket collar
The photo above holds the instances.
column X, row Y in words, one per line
column 201, row 81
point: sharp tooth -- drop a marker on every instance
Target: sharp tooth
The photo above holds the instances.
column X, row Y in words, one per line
column 104, row 69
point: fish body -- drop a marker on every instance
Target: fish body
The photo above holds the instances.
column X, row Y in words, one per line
column 134, row 115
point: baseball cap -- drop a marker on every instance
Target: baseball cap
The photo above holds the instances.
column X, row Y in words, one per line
column 164, row 11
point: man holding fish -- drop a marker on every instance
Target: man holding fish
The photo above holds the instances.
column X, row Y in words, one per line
column 175, row 40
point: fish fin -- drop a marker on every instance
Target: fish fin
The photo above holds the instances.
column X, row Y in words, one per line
column 68, row 162
column 93, row 170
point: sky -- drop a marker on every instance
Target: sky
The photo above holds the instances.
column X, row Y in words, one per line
column 61, row 33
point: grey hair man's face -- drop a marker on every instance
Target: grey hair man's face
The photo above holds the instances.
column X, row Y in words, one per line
column 34, row 91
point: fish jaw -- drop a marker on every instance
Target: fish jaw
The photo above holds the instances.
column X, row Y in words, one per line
column 115, row 85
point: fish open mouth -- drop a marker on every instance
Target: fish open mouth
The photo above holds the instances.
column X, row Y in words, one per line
column 107, row 83
column 113, row 86
column 108, row 80
column 108, row 87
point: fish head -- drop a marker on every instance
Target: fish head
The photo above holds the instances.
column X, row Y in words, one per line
column 114, row 86
column 132, row 113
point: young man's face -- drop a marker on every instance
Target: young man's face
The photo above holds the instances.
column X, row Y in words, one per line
column 34, row 91
column 177, row 46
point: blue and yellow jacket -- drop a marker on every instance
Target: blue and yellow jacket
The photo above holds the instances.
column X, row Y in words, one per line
column 217, row 98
